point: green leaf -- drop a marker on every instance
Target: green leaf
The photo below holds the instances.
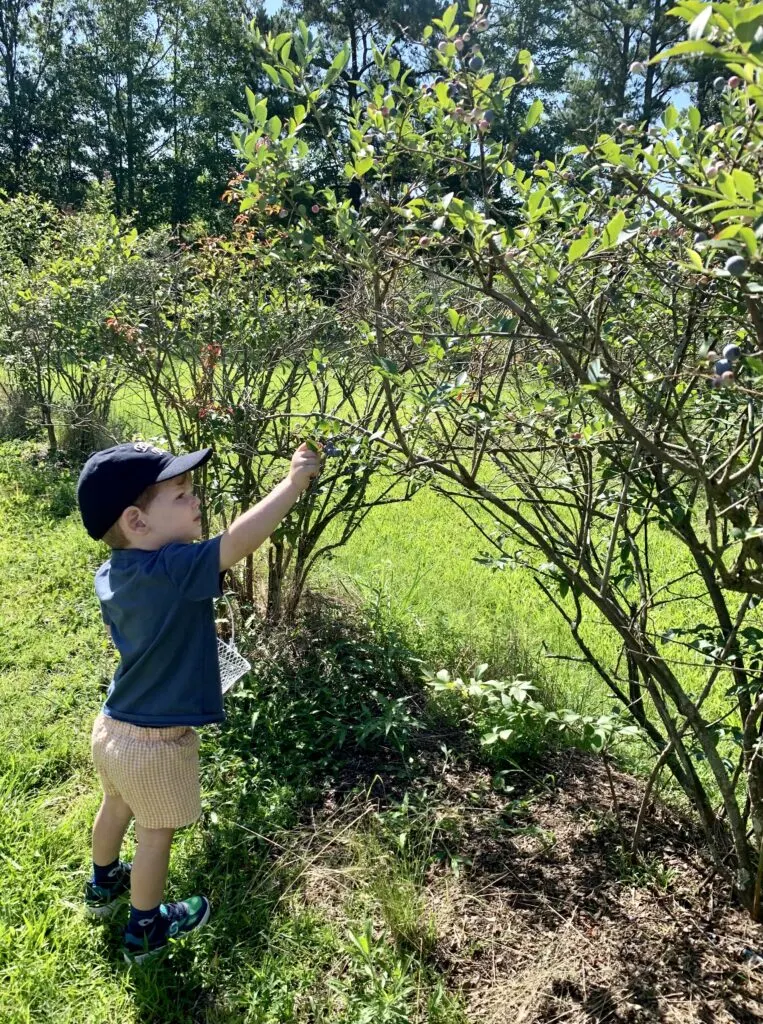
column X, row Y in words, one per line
column 695, row 119
column 745, row 184
column 251, row 99
column 272, row 74
column 579, row 248
column 688, row 46
column 744, row 15
column 670, row 117
column 751, row 243
column 364, row 165
column 454, row 318
column 339, row 62
column 747, row 21
column 700, row 23
column 612, row 231
column 273, row 126
column 533, row 114
column 725, row 185
column 695, row 259
column 385, row 365
column 449, row 17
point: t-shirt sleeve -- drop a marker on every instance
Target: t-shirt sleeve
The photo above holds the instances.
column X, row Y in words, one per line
column 194, row 569
column 102, row 592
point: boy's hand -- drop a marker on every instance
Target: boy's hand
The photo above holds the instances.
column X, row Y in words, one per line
column 253, row 527
column 305, row 465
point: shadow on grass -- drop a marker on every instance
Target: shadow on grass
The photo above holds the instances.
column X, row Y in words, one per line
column 518, row 863
column 331, row 708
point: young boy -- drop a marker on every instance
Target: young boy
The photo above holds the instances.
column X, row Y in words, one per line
column 156, row 594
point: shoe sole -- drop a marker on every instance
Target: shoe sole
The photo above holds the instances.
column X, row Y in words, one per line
column 107, row 910
column 154, row 954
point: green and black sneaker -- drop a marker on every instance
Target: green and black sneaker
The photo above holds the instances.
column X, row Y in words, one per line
column 102, row 900
column 174, row 921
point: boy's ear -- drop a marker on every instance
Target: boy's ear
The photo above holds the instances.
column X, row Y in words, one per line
column 132, row 520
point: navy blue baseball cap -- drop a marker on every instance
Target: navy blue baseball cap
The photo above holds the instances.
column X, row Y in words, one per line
column 113, row 479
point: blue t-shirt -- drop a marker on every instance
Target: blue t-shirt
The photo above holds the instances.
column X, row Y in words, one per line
column 158, row 605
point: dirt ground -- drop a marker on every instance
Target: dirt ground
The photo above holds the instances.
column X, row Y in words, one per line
column 544, row 922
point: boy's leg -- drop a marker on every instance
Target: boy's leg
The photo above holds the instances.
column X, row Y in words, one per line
column 109, row 829
column 111, row 877
column 153, row 924
column 150, row 866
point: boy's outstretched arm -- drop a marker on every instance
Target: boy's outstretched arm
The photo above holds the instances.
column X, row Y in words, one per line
column 254, row 526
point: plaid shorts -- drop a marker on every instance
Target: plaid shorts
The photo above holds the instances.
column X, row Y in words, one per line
column 155, row 771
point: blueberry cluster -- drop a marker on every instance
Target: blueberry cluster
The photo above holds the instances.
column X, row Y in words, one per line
column 724, row 371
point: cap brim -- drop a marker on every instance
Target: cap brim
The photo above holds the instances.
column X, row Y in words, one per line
column 185, row 464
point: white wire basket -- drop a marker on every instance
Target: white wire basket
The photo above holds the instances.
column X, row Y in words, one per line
column 233, row 665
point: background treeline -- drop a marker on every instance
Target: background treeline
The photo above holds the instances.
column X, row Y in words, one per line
column 145, row 91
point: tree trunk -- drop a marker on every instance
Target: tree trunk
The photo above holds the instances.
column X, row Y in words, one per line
column 274, row 609
column 654, row 40
column 9, row 26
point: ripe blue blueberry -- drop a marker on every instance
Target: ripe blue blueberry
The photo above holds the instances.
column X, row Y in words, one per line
column 732, row 352
column 736, row 265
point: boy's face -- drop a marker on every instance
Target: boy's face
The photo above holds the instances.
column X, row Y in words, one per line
column 174, row 514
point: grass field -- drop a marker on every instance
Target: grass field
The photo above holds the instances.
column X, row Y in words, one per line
column 267, row 956
column 414, row 563
column 322, row 905
column 352, row 883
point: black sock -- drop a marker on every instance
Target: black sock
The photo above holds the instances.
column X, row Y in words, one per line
column 142, row 921
column 102, row 873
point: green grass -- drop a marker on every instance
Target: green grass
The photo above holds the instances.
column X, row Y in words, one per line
column 416, row 562
column 270, row 954
column 273, row 954
column 414, row 565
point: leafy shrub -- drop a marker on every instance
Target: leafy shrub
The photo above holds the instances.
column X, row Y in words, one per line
column 506, row 712
column 591, row 377
column 18, row 420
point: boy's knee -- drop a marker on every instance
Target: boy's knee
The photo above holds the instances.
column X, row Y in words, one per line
column 157, row 838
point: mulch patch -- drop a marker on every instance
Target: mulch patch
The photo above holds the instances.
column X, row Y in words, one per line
column 544, row 921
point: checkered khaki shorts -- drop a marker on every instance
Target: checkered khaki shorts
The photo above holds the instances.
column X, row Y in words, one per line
column 155, row 771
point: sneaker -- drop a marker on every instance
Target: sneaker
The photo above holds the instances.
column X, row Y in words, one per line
column 102, row 900
column 175, row 921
